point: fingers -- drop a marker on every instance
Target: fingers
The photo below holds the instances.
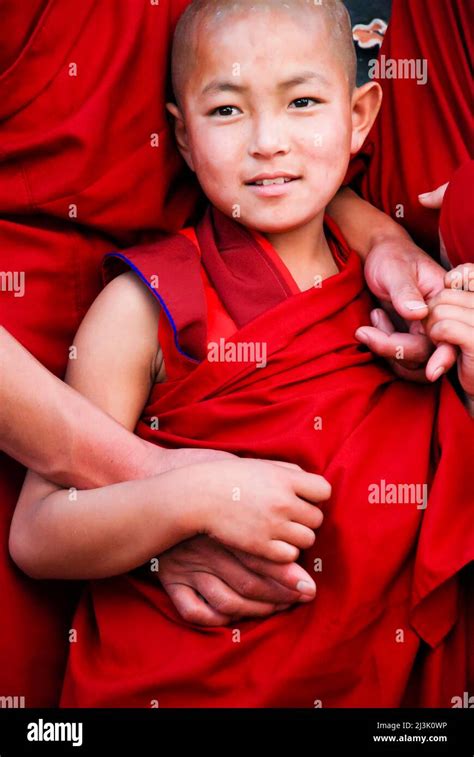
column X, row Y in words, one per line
column 451, row 321
column 451, row 312
column 455, row 332
column 435, row 198
column 241, row 578
column 311, row 487
column 441, row 361
column 298, row 535
column 291, row 575
column 407, row 299
column 281, row 552
column 416, row 375
column 381, row 321
column 192, row 608
column 399, row 272
column 461, row 277
column 306, row 515
column 225, row 600
column 412, row 348
column 458, row 297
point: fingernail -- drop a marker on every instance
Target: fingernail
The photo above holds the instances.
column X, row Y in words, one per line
column 415, row 305
column 362, row 334
column 375, row 317
column 304, row 587
column 425, row 194
column 438, row 372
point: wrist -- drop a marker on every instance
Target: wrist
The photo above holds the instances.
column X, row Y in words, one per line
column 189, row 493
column 173, row 508
column 386, row 234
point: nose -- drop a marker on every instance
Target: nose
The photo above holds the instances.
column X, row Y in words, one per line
column 268, row 137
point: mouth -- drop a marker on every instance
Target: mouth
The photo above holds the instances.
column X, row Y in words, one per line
column 269, row 180
column 275, row 186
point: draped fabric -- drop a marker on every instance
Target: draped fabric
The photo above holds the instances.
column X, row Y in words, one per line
column 387, row 625
column 457, row 216
column 87, row 163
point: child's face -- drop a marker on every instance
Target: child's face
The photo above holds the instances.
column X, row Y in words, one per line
column 252, row 120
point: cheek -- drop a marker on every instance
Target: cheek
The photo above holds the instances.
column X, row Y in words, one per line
column 216, row 158
column 328, row 149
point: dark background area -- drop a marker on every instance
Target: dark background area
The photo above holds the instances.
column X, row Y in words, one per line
column 362, row 12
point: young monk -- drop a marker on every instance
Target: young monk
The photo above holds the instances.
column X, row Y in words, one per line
column 256, row 353
column 65, row 190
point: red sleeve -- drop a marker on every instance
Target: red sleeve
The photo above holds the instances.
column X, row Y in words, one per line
column 457, row 216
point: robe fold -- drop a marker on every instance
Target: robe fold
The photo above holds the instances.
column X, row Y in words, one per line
column 387, row 625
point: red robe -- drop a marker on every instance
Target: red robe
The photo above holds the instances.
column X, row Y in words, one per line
column 457, row 216
column 387, row 626
column 67, row 141
column 78, row 177
column 424, row 132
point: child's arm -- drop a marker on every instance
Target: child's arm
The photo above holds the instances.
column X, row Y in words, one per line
column 451, row 320
column 102, row 532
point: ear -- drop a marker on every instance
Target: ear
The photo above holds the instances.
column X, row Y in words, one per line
column 366, row 102
column 181, row 134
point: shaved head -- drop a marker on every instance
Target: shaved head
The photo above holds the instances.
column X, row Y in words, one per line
column 202, row 17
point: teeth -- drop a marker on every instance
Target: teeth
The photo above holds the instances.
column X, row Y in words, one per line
column 266, row 182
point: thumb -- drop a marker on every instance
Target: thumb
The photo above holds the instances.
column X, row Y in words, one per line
column 406, row 297
column 433, row 199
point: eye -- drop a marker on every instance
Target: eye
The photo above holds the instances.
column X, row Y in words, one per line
column 304, row 101
column 227, row 108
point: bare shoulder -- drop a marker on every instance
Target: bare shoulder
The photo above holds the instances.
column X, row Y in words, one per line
column 141, row 309
column 127, row 311
column 117, row 349
column 127, row 292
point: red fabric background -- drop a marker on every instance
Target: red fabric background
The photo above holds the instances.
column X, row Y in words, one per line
column 423, row 132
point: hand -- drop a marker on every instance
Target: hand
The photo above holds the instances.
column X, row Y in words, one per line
column 258, row 506
column 434, row 199
column 213, row 585
column 169, row 459
column 451, row 320
column 400, row 273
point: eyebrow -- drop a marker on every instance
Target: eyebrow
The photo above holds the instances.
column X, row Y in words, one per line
column 218, row 85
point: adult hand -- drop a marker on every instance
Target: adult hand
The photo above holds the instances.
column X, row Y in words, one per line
column 403, row 277
column 435, row 198
column 213, row 585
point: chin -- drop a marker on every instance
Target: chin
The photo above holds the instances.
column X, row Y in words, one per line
column 281, row 225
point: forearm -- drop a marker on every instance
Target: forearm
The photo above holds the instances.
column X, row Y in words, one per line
column 97, row 533
column 362, row 224
column 54, row 430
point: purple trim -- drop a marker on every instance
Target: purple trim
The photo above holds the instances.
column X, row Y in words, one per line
column 158, row 297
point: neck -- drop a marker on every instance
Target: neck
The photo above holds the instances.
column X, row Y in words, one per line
column 305, row 252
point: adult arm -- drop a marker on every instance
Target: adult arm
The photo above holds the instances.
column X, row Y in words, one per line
column 403, row 278
column 53, row 429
